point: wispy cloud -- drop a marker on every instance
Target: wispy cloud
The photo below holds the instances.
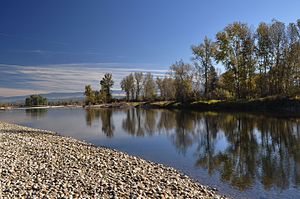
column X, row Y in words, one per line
column 48, row 52
column 4, row 35
column 10, row 92
column 32, row 38
column 64, row 77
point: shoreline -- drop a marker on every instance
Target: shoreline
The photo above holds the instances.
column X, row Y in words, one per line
column 39, row 107
column 269, row 104
column 37, row 163
column 283, row 106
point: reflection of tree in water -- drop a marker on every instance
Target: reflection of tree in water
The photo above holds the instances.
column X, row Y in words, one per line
column 241, row 156
column 150, row 121
column 184, row 131
column 107, row 122
column 106, row 119
column 91, row 115
column 280, row 152
column 262, row 148
column 258, row 147
column 139, row 122
column 167, row 121
column 207, row 134
column 36, row 113
column 255, row 148
column 130, row 122
column 139, row 130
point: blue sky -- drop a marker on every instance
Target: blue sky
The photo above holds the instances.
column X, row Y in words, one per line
column 57, row 39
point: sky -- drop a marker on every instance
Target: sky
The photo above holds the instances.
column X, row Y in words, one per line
column 62, row 45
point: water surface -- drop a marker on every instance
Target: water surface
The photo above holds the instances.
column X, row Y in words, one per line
column 242, row 155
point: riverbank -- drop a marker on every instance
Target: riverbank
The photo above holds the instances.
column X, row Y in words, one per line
column 113, row 105
column 37, row 163
column 284, row 105
column 39, row 107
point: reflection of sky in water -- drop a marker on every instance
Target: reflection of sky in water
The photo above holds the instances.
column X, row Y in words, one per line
column 221, row 143
column 257, row 135
column 180, row 139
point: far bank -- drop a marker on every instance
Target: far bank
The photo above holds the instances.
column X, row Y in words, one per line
column 284, row 105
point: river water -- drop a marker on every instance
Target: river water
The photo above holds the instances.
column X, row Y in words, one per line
column 242, row 155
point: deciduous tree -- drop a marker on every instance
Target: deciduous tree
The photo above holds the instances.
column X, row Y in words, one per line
column 183, row 80
column 203, row 57
column 149, row 86
column 138, row 76
column 106, row 85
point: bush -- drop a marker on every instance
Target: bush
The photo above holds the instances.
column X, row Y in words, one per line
column 222, row 94
column 36, row 100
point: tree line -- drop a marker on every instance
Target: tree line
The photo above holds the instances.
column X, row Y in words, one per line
column 102, row 96
column 36, row 100
column 257, row 63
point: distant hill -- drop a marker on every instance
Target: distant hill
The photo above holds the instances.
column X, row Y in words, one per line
column 53, row 97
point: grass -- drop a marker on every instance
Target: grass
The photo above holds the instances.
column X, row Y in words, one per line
column 207, row 101
column 134, row 103
column 261, row 104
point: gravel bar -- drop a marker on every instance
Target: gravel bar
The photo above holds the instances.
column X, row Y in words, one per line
column 42, row 164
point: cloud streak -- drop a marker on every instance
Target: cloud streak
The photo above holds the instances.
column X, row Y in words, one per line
column 10, row 92
column 18, row 79
column 48, row 52
column 32, row 38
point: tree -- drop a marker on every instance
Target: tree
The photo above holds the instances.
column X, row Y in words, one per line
column 257, row 64
column 235, row 49
column 263, row 53
column 278, row 46
column 166, row 88
column 159, row 83
column 132, row 87
column 226, row 87
column 127, row 85
column 28, row 102
column 106, row 84
column 149, row 87
column 89, row 95
column 36, row 100
column 183, row 80
column 138, row 76
column 292, row 75
column 203, row 57
column 212, row 82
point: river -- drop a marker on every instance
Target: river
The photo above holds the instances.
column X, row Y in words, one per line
column 243, row 155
